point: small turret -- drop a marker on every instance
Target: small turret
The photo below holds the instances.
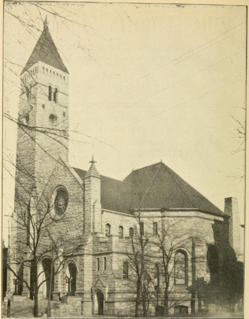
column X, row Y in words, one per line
column 92, row 199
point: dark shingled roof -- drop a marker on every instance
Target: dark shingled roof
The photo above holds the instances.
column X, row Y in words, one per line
column 155, row 186
column 45, row 51
column 161, row 187
column 115, row 194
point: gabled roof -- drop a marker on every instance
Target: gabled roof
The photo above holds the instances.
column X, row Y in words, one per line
column 45, row 51
column 152, row 187
column 158, row 186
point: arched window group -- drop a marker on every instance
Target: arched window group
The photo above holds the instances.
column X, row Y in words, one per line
column 120, row 231
column 52, row 96
column 180, row 267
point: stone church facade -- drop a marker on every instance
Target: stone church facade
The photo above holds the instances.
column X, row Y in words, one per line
column 99, row 214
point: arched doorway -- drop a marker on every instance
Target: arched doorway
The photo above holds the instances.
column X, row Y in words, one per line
column 100, row 299
column 48, row 276
column 181, row 310
column 72, row 278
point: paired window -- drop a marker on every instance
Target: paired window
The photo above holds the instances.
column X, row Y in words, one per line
column 154, row 228
column 107, row 229
column 125, row 270
column 104, row 264
column 51, row 95
column 180, row 267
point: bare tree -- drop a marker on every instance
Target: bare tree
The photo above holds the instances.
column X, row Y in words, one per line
column 172, row 266
column 139, row 261
column 32, row 240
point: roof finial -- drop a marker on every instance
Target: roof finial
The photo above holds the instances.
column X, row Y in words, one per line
column 92, row 161
column 45, row 23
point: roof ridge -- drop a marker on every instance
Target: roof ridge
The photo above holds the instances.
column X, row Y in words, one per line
column 135, row 170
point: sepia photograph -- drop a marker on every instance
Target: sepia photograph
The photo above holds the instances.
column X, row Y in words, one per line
column 123, row 166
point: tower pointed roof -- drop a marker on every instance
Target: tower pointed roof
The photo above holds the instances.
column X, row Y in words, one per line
column 45, row 51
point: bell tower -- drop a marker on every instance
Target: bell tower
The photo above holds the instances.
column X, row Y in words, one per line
column 42, row 137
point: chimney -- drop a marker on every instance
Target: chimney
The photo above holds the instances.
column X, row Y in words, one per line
column 232, row 209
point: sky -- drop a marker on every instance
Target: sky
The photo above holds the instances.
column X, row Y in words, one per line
column 148, row 83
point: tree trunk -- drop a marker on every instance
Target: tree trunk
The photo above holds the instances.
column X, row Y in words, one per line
column 50, row 290
column 137, row 299
column 144, row 304
column 166, row 302
column 34, row 269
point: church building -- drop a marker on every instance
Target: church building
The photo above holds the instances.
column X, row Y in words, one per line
column 95, row 221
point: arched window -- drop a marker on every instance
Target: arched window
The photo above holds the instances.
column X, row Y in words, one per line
column 157, row 276
column 50, row 93
column 98, row 264
column 131, row 232
column 56, row 95
column 125, row 270
column 72, row 279
column 141, row 228
column 107, row 229
column 180, row 267
column 20, row 280
column 154, row 228
column 121, row 232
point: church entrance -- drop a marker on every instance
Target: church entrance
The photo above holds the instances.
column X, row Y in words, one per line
column 100, row 298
